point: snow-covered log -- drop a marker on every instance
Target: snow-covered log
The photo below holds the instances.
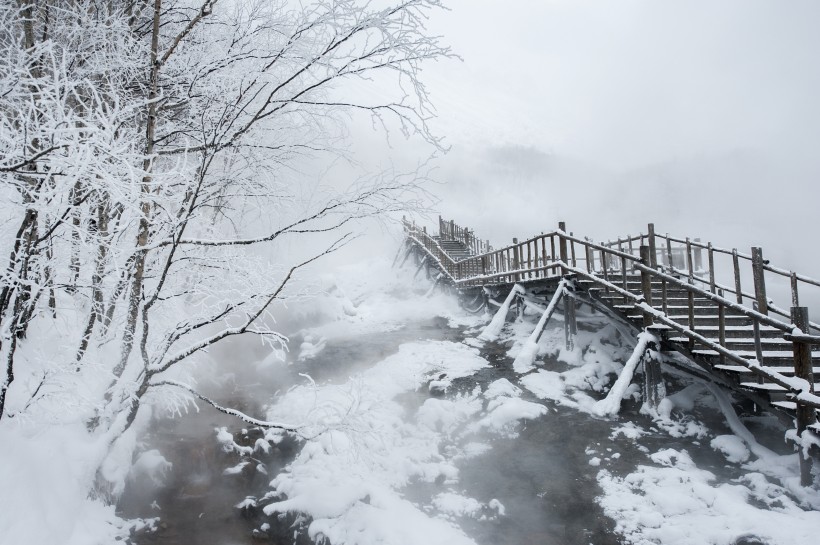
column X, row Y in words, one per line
column 492, row 330
column 524, row 361
column 611, row 404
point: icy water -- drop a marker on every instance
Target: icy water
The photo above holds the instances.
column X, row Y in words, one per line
column 197, row 503
column 543, row 476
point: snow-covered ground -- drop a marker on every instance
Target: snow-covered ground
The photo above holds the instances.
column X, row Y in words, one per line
column 352, row 481
column 442, row 440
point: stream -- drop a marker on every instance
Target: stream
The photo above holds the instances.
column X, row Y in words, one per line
column 543, row 476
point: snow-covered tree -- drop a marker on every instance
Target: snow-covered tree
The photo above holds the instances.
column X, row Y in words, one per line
column 145, row 156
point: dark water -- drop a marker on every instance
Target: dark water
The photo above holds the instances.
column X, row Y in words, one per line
column 197, row 504
column 542, row 476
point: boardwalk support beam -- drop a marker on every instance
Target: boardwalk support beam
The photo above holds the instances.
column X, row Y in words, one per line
column 802, row 369
column 654, row 390
column 646, row 284
column 570, row 323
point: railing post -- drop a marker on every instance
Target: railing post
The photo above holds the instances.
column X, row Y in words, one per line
column 698, row 257
column 562, row 246
column 664, row 297
column 795, row 297
column 802, row 369
column 452, row 230
column 689, row 265
column 758, row 342
column 624, row 285
column 653, row 257
column 736, row 265
column 646, row 285
column 669, row 254
column 760, row 280
column 722, row 327
column 711, row 256
column 516, row 262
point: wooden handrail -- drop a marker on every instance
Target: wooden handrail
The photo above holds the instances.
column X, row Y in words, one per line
column 529, row 261
column 501, row 267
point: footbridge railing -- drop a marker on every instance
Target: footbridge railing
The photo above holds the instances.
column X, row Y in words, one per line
column 748, row 278
column 665, row 265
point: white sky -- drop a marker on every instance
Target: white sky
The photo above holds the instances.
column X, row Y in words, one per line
column 697, row 115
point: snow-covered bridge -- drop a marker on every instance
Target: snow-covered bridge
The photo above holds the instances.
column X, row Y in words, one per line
column 715, row 312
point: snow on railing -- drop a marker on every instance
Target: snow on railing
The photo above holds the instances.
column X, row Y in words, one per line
column 555, row 254
column 727, row 270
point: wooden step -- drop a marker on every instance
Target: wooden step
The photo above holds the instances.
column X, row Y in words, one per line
column 745, row 371
column 767, row 344
column 705, row 321
column 780, row 359
column 738, row 331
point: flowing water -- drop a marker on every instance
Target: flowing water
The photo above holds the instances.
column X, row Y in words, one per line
column 543, row 476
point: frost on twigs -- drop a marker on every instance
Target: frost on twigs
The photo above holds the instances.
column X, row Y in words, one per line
column 153, row 181
column 167, row 172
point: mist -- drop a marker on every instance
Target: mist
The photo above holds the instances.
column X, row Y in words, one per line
column 698, row 116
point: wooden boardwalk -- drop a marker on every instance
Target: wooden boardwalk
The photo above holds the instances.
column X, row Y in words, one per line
column 709, row 304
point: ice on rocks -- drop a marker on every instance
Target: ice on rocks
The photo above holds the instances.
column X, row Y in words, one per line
column 732, row 447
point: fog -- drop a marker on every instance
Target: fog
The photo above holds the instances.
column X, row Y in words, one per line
column 699, row 116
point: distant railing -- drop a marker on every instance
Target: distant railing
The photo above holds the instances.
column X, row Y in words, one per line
column 448, row 230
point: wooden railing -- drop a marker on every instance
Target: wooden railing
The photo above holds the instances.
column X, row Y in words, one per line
column 557, row 253
column 675, row 264
column 747, row 278
column 448, row 230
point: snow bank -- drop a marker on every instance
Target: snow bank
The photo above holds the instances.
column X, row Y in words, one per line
column 45, row 475
column 732, row 447
column 674, row 503
column 457, row 505
column 362, row 450
column 503, row 412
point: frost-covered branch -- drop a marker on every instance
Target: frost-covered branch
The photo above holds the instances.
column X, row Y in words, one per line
column 227, row 410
